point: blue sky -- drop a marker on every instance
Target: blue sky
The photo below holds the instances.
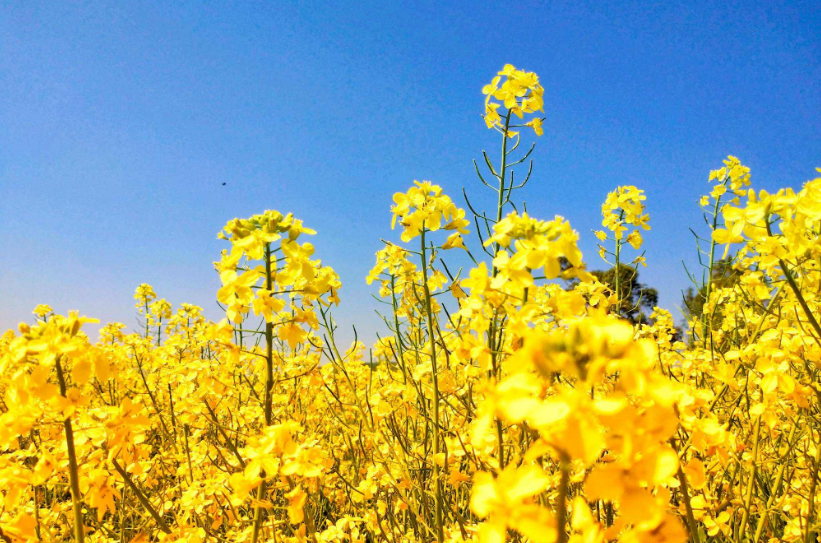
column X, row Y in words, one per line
column 120, row 122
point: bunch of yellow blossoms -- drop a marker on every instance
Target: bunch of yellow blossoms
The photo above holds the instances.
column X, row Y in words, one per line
column 424, row 207
column 519, row 93
column 505, row 398
column 623, row 208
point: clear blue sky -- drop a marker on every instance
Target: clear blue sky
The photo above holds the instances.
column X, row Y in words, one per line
column 120, row 122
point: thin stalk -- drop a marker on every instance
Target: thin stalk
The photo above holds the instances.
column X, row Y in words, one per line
column 74, row 480
column 617, row 269
column 685, row 493
column 748, row 499
column 762, row 520
column 502, row 175
column 188, row 454
column 794, row 286
column 618, row 277
column 492, row 329
column 399, row 344
column 269, row 385
column 141, row 497
column 709, row 286
column 561, row 505
column 808, row 533
column 801, row 301
column 440, row 534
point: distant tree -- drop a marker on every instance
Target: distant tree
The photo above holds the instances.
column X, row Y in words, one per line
column 635, row 297
column 723, row 276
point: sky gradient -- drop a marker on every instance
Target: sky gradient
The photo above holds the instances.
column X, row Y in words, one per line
column 130, row 132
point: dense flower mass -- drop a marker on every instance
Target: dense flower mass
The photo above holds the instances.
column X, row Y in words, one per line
column 515, row 399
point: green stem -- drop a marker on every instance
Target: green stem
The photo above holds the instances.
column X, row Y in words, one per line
column 617, row 278
column 794, row 286
column 685, row 493
column 561, row 503
column 748, row 498
column 709, row 285
column 801, row 301
column 440, row 534
column 399, row 344
column 188, row 454
column 269, row 385
column 617, row 269
column 141, row 497
column 811, row 506
column 762, row 520
column 502, row 174
column 74, row 480
column 491, row 335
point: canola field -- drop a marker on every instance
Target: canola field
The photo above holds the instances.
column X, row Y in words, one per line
column 518, row 398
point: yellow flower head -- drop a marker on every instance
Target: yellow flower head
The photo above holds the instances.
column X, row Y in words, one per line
column 144, row 294
column 734, row 175
column 424, row 207
column 625, row 207
column 520, row 93
column 41, row 310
